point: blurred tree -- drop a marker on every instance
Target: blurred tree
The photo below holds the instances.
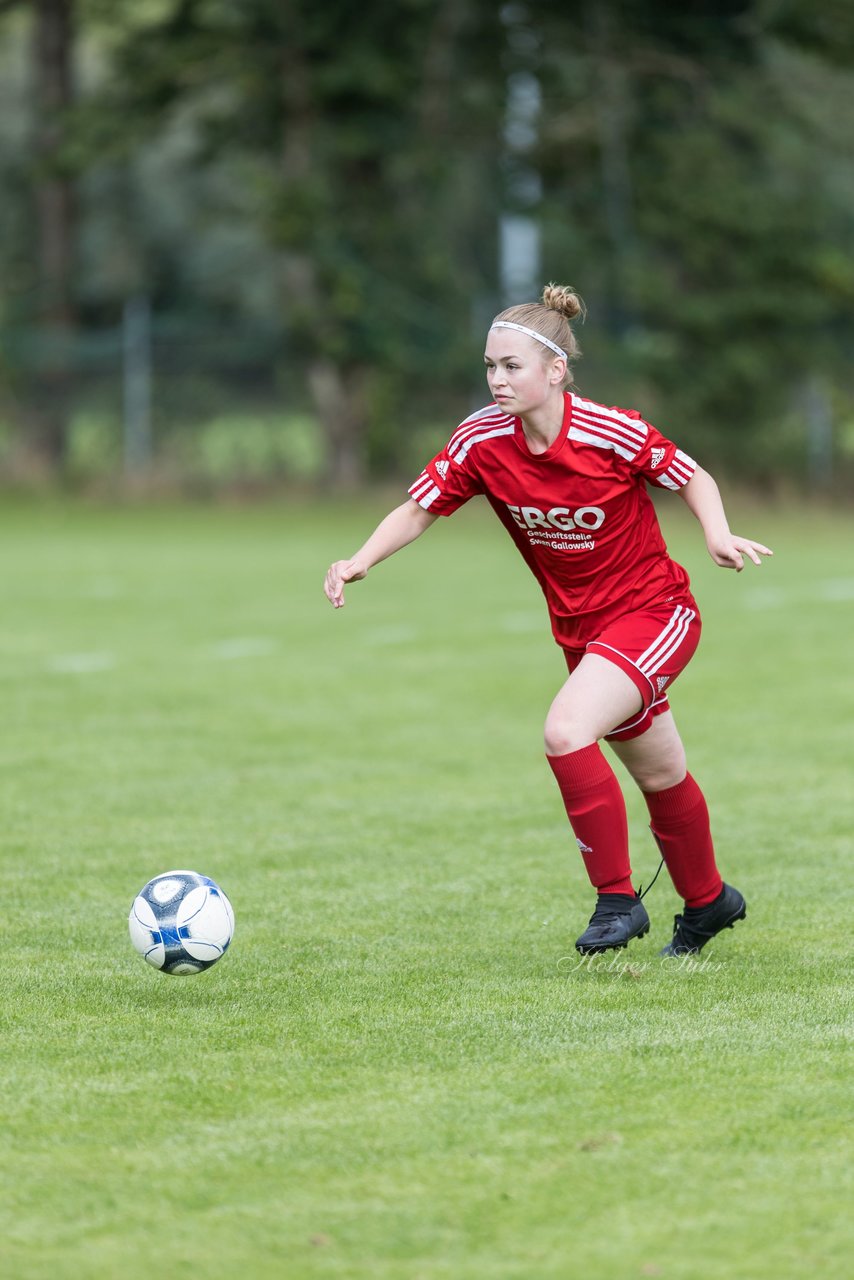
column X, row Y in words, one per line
column 52, row 89
column 693, row 129
column 336, row 127
column 323, row 185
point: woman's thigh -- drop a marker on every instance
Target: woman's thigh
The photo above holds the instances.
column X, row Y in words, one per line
column 596, row 698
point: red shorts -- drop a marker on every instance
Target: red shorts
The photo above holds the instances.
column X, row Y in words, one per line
column 652, row 646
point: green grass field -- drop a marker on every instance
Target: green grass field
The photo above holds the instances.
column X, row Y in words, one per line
column 399, row 1070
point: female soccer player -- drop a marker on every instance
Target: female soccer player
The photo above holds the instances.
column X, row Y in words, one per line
column 567, row 478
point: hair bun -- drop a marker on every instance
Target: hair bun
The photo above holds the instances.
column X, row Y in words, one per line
column 563, row 299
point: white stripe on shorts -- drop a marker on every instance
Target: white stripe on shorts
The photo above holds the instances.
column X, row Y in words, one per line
column 666, row 644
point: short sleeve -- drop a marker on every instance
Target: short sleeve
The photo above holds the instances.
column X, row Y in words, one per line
column 661, row 463
column 444, row 485
column 648, row 453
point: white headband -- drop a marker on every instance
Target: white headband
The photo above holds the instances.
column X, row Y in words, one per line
column 532, row 333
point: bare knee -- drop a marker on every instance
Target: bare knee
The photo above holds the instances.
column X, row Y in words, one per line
column 655, row 759
column 662, row 773
column 563, row 733
column 597, row 696
column 662, row 780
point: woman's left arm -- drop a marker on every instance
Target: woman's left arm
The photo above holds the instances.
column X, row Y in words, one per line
column 703, row 499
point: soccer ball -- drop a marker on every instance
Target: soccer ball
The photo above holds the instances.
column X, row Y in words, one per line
column 181, row 922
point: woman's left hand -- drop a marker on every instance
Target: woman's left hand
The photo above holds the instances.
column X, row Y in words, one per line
column 729, row 552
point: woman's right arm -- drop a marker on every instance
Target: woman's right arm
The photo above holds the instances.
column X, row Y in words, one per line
column 400, row 527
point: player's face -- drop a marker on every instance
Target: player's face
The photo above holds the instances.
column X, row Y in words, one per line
column 520, row 380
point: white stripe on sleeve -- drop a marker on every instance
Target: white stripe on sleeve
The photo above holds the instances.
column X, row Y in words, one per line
column 422, row 484
column 427, row 499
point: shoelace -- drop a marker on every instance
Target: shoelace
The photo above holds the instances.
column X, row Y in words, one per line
column 643, row 892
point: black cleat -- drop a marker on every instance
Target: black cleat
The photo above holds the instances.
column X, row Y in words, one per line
column 698, row 925
column 618, row 918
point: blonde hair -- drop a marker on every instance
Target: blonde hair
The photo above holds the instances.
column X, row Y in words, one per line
column 551, row 317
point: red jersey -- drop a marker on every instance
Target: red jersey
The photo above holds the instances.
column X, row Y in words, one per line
column 579, row 513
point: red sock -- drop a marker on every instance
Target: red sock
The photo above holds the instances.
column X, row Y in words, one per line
column 597, row 814
column 680, row 824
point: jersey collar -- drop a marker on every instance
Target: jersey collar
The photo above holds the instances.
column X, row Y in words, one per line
column 559, row 440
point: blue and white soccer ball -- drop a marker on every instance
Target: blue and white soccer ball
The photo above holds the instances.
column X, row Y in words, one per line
column 181, row 922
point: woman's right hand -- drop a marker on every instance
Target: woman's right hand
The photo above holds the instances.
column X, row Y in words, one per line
column 337, row 574
column 401, row 526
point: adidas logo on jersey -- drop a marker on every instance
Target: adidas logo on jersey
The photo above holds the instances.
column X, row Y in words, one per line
column 661, row 681
column 655, row 458
column 442, row 468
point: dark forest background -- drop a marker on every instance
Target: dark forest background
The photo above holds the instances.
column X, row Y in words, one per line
column 258, row 241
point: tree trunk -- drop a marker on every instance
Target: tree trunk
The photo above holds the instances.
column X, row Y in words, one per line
column 613, row 117
column 52, row 73
column 338, row 391
column 339, row 396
